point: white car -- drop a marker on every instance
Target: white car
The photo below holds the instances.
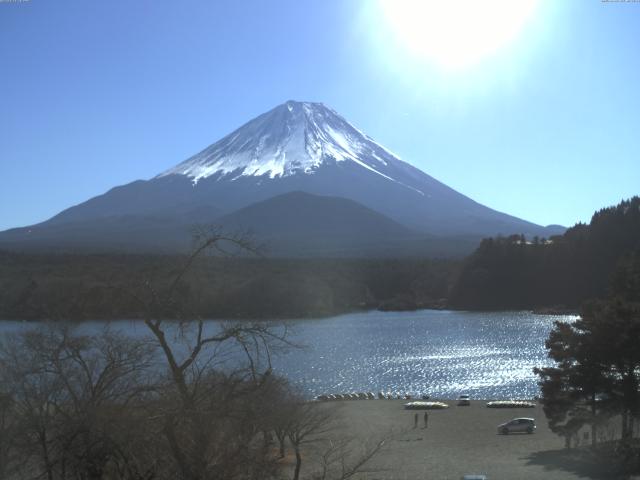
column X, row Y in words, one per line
column 464, row 400
column 521, row 425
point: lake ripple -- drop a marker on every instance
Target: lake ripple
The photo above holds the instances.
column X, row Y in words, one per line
column 442, row 353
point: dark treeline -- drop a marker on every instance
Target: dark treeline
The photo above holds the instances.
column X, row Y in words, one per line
column 91, row 286
column 563, row 271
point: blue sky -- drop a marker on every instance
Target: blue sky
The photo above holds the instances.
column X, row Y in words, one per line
column 97, row 94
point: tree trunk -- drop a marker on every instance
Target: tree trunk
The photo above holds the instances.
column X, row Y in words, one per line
column 296, row 473
column 45, row 455
column 177, row 453
column 594, row 427
column 625, row 424
column 281, row 436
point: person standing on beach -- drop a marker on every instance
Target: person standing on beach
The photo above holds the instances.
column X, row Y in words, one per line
column 415, row 421
column 426, row 419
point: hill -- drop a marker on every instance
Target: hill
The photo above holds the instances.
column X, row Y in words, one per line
column 563, row 271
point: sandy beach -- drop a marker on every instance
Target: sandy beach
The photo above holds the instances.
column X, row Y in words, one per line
column 464, row 440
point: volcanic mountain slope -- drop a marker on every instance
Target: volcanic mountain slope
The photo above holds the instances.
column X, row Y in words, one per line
column 301, row 224
column 296, row 147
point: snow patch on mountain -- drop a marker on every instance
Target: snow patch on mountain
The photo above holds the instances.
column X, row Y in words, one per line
column 293, row 138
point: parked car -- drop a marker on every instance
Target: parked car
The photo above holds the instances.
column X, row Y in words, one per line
column 521, row 425
column 474, row 477
column 464, row 401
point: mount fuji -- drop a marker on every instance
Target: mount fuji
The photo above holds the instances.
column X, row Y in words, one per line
column 299, row 176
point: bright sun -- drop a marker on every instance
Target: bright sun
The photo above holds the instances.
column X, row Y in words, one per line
column 455, row 34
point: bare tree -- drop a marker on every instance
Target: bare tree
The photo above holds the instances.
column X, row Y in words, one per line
column 345, row 457
column 307, row 424
column 70, row 393
column 7, row 432
column 316, row 431
column 209, row 421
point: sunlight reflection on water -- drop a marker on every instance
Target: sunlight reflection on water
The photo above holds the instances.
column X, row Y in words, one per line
column 442, row 353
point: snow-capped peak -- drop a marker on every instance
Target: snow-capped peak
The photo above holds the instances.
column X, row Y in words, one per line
column 293, row 138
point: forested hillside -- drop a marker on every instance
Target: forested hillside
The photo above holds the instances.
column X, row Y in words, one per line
column 563, row 271
column 105, row 286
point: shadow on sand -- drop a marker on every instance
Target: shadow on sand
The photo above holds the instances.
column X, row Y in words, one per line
column 582, row 462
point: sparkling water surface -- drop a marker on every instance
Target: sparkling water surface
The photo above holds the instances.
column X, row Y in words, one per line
column 440, row 353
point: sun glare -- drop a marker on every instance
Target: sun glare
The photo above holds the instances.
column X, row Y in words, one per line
column 456, row 34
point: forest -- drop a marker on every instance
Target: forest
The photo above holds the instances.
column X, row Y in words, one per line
column 593, row 383
column 76, row 287
column 558, row 273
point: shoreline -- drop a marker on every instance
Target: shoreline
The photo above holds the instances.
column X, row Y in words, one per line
column 323, row 316
column 453, row 401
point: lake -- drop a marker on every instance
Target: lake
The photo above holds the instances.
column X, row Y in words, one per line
column 442, row 353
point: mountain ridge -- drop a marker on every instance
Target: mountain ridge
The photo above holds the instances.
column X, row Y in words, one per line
column 296, row 146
